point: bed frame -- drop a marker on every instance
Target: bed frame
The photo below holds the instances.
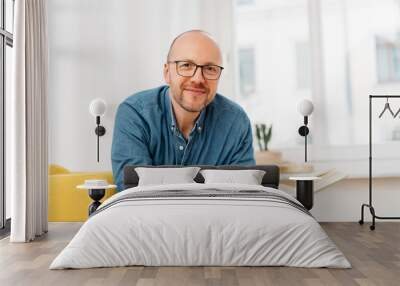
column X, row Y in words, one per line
column 270, row 179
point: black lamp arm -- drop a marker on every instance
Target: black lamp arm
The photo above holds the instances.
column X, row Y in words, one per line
column 303, row 131
column 100, row 131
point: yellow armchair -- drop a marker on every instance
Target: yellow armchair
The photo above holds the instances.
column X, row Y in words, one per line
column 66, row 202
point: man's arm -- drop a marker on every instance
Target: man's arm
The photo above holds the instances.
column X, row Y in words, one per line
column 244, row 154
column 130, row 144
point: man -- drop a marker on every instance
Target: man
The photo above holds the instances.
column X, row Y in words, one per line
column 186, row 122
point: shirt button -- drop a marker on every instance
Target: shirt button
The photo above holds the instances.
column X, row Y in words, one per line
column 181, row 147
column 199, row 128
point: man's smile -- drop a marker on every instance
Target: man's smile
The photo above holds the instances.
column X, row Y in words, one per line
column 195, row 91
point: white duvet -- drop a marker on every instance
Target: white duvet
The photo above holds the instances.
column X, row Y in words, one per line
column 182, row 231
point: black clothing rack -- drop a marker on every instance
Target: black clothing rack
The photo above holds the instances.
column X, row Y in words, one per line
column 369, row 205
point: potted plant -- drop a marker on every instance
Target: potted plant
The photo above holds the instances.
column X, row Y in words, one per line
column 264, row 155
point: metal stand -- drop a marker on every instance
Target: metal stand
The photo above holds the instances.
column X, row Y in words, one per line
column 96, row 195
column 305, row 190
column 369, row 205
column 305, row 193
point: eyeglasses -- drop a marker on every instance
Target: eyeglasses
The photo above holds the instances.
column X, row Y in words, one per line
column 188, row 69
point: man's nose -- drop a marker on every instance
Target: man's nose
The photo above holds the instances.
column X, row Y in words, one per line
column 198, row 75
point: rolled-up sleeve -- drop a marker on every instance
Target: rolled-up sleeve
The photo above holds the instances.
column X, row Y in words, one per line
column 130, row 142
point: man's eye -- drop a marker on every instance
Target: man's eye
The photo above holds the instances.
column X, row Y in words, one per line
column 211, row 69
column 186, row 65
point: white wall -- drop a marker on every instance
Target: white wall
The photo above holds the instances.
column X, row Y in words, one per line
column 342, row 201
column 112, row 49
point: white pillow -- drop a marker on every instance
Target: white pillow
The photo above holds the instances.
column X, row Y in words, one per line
column 163, row 176
column 248, row 177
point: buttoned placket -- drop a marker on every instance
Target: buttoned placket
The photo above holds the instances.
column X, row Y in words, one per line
column 187, row 149
column 183, row 147
column 196, row 130
column 179, row 144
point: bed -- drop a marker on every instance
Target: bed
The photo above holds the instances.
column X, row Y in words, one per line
column 201, row 224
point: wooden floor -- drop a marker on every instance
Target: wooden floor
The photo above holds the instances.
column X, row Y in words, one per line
column 374, row 255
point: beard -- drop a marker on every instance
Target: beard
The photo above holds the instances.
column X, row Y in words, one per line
column 192, row 101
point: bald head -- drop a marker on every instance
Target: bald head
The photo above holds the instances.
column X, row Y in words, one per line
column 191, row 94
column 195, row 42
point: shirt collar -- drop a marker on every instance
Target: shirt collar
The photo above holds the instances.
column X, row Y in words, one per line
column 199, row 125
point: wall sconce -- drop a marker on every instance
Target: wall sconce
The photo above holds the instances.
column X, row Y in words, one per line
column 98, row 108
column 305, row 108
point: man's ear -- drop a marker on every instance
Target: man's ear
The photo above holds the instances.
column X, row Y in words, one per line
column 166, row 73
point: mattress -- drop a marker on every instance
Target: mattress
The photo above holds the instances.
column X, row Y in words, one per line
column 201, row 225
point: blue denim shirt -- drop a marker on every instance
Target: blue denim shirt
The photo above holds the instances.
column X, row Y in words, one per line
column 145, row 133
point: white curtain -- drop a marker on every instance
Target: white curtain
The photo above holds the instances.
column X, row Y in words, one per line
column 27, row 121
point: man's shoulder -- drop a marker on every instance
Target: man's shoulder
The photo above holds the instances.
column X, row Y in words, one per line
column 224, row 105
column 149, row 98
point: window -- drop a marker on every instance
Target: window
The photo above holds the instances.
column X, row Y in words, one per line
column 332, row 53
column 388, row 60
column 6, row 43
column 246, row 71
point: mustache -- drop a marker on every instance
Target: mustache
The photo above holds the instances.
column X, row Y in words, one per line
column 197, row 87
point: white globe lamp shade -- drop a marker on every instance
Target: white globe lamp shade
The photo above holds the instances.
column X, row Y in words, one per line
column 97, row 107
column 305, row 107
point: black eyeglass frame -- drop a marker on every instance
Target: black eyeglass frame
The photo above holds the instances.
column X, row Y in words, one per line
column 195, row 70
